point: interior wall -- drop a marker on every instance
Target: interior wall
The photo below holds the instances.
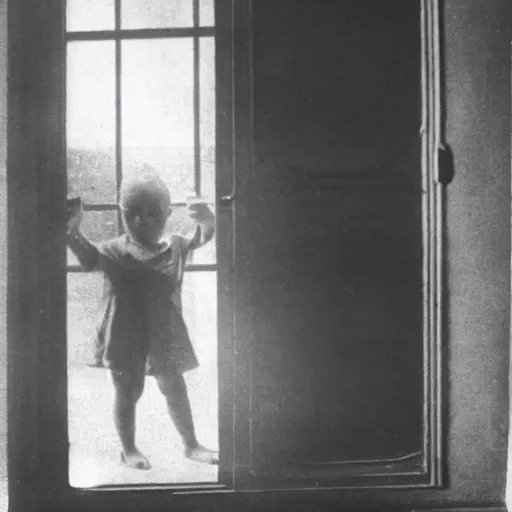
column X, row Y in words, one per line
column 477, row 36
column 3, row 243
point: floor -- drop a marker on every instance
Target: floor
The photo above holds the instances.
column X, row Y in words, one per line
column 94, row 448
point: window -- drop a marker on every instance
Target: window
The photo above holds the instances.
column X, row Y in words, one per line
column 106, row 46
column 140, row 92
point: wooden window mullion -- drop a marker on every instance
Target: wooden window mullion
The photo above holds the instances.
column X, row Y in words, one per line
column 197, row 104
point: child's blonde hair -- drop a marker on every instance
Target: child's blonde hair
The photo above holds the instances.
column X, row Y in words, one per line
column 137, row 188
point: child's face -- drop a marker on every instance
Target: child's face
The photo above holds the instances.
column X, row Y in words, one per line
column 145, row 221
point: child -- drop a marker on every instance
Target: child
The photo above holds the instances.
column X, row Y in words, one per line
column 142, row 330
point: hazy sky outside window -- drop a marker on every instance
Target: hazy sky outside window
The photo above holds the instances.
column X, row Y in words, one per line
column 91, row 94
column 156, row 13
column 206, row 13
column 88, row 15
column 207, row 116
column 157, row 93
column 157, row 114
column 91, row 120
column 157, row 102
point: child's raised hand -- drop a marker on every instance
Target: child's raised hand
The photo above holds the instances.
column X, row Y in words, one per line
column 201, row 213
column 74, row 214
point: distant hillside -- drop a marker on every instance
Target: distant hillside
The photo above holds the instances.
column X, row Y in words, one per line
column 92, row 174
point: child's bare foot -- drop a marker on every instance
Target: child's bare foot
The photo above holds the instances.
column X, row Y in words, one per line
column 201, row 454
column 135, row 459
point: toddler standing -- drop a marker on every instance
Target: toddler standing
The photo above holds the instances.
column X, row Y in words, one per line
column 142, row 331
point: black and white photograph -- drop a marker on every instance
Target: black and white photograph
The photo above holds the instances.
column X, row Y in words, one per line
column 255, row 255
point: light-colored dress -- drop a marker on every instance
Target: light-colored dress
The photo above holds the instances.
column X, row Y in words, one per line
column 141, row 327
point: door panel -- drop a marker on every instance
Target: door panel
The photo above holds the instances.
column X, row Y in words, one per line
column 329, row 242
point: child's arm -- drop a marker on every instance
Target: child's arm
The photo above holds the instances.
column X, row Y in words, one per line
column 205, row 229
column 87, row 253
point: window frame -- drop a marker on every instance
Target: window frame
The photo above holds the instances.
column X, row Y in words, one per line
column 37, row 415
column 435, row 163
column 118, row 35
column 37, row 373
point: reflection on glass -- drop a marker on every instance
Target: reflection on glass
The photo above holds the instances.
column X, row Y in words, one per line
column 156, row 13
column 91, row 121
column 206, row 13
column 157, row 111
column 85, row 15
column 207, row 116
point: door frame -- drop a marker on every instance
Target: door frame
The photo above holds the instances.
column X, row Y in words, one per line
column 435, row 163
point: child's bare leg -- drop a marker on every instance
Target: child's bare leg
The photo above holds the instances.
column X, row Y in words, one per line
column 174, row 389
column 128, row 390
column 99, row 348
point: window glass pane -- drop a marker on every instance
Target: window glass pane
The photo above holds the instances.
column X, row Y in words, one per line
column 85, row 15
column 205, row 255
column 96, row 226
column 99, row 226
column 84, row 295
column 157, row 130
column 199, row 302
column 180, row 222
column 156, row 13
column 91, row 121
column 206, row 13
column 157, row 111
column 207, row 117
